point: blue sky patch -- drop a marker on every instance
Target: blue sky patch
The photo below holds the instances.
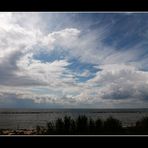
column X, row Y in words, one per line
column 56, row 54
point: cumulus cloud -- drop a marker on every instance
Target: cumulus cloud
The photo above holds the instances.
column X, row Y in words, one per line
column 119, row 78
column 120, row 82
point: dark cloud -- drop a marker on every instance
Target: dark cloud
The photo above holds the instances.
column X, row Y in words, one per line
column 9, row 100
column 118, row 95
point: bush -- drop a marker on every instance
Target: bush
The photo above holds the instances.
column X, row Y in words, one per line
column 141, row 126
column 112, row 126
column 39, row 130
column 50, row 128
column 143, row 123
column 1, row 132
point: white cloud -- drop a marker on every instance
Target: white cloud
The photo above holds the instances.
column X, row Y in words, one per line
column 119, row 81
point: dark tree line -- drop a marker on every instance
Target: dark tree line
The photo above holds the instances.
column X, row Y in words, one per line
column 81, row 126
column 87, row 126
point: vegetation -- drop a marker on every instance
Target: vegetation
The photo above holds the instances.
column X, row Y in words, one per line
column 87, row 126
column 83, row 125
column 141, row 127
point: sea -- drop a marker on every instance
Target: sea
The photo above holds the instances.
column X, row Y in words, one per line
column 30, row 118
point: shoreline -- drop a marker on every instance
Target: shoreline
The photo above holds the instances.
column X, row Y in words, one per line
column 18, row 132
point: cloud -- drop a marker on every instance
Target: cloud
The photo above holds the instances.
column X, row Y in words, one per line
column 119, row 82
column 120, row 74
column 86, row 73
column 48, row 73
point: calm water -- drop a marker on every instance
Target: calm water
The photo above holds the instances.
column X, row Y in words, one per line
column 29, row 118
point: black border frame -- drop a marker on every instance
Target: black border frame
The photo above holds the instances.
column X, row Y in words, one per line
column 74, row 6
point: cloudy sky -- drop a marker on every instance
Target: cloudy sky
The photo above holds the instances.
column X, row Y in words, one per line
column 73, row 60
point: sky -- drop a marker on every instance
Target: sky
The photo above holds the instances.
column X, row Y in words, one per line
column 73, row 60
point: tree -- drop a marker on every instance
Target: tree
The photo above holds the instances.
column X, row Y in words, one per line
column 82, row 124
column 67, row 124
column 99, row 126
column 59, row 126
column 112, row 126
column 73, row 127
column 91, row 126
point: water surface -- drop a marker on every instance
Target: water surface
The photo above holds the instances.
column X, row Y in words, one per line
column 30, row 118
